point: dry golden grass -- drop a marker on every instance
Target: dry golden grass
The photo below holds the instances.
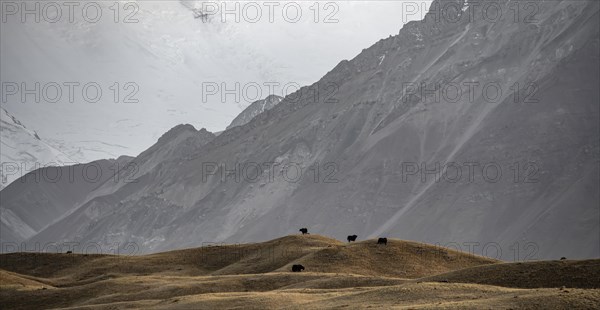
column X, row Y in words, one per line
column 257, row 276
column 11, row 280
column 568, row 273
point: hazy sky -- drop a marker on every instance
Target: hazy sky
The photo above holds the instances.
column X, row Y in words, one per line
column 157, row 66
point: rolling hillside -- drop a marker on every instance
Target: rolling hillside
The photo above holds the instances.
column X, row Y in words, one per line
column 258, row 276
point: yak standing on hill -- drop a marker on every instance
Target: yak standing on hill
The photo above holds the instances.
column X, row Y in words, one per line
column 352, row 238
column 297, row 268
column 304, row 231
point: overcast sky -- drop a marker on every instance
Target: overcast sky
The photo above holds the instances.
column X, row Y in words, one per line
column 165, row 63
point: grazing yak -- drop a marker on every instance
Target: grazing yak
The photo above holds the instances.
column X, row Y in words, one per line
column 352, row 238
column 69, row 252
column 304, row 231
column 297, row 268
column 563, row 258
column 382, row 241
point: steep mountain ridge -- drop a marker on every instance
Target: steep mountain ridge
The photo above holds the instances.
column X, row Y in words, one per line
column 254, row 109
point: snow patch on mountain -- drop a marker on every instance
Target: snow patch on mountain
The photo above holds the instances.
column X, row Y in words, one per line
column 23, row 150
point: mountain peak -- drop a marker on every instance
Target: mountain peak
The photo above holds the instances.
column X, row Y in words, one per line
column 182, row 127
column 177, row 130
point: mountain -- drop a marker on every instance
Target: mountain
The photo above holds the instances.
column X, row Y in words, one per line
column 49, row 182
column 254, row 109
column 23, row 150
column 514, row 123
column 155, row 64
column 43, row 196
column 151, row 210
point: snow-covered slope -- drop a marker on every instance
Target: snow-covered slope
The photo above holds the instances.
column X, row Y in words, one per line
column 254, row 109
column 543, row 136
column 23, row 150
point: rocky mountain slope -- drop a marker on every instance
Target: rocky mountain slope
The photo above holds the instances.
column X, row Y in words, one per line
column 515, row 121
column 43, row 196
column 254, row 109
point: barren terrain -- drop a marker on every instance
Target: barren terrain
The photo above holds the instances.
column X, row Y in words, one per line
column 401, row 274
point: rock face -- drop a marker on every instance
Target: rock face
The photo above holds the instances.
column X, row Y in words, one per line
column 507, row 108
column 254, row 109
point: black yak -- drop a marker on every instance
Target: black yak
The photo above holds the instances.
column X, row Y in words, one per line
column 297, row 268
column 69, row 252
column 352, row 238
column 563, row 258
column 382, row 241
column 304, row 231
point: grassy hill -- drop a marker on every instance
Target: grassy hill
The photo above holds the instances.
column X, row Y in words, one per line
column 258, row 275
